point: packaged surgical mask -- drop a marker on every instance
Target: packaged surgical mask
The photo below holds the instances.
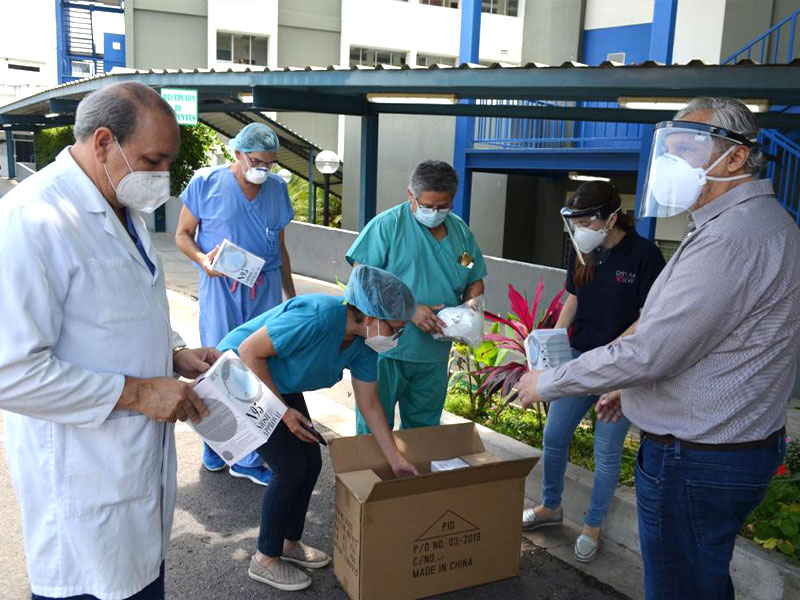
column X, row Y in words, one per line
column 463, row 324
column 547, row 349
column 237, row 263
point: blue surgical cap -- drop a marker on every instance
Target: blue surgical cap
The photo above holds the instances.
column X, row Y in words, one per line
column 256, row 137
column 378, row 293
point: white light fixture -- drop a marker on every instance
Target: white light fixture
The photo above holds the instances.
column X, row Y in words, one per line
column 52, row 115
column 245, row 97
column 676, row 104
column 286, row 175
column 578, row 177
column 327, row 162
column 411, row 99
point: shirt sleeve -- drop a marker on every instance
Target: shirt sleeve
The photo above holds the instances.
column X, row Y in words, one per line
column 364, row 365
column 294, row 329
column 192, row 195
column 371, row 247
column 33, row 381
column 695, row 309
column 652, row 265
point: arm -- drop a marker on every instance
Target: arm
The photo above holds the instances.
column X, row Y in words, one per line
column 370, row 406
column 473, row 290
column 184, row 240
column 286, row 269
column 254, row 352
column 568, row 311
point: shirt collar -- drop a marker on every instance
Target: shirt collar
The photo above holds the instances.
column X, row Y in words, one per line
column 741, row 193
column 87, row 195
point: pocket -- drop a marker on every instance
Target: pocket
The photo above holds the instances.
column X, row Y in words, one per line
column 718, row 509
column 119, row 291
column 118, row 462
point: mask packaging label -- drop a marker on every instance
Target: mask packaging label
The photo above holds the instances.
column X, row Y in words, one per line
column 237, row 263
column 547, row 349
column 450, row 464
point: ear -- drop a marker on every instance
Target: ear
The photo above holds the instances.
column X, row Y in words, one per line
column 410, row 195
column 737, row 159
column 102, row 141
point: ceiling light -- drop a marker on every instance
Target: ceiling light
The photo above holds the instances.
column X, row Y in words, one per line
column 51, row 115
column 676, row 104
column 578, row 177
column 407, row 99
column 246, row 98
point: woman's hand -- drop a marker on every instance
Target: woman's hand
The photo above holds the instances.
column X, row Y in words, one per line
column 402, row 468
column 297, row 424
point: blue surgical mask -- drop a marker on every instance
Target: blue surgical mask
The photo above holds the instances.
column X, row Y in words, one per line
column 430, row 217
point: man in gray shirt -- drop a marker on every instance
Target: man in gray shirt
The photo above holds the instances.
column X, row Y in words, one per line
column 707, row 374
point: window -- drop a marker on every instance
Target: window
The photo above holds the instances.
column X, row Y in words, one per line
column 510, row 8
column 23, row 67
column 82, row 68
column 372, row 57
column 242, row 49
column 616, row 57
column 445, row 3
column 426, row 60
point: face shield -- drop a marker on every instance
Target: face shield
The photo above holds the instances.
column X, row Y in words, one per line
column 587, row 230
column 682, row 155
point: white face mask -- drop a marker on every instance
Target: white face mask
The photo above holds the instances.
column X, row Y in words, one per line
column 380, row 343
column 141, row 190
column 588, row 239
column 430, row 217
column 677, row 184
column 255, row 175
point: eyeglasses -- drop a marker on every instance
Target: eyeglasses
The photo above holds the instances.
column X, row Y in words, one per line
column 396, row 333
column 428, row 206
column 260, row 164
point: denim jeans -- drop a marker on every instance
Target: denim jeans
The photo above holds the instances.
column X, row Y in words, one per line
column 691, row 505
column 563, row 417
column 295, row 467
column 154, row 591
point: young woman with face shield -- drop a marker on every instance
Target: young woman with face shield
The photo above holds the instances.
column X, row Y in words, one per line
column 609, row 274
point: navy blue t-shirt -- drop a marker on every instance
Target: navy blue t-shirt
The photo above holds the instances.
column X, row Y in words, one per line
column 611, row 301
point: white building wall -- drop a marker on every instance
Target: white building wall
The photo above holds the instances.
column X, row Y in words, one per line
column 618, row 13
column 246, row 17
column 698, row 31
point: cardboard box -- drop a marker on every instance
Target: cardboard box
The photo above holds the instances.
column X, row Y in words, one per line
column 439, row 532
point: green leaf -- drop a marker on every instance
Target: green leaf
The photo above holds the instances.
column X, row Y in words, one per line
column 789, row 528
column 786, row 547
column 770, row 543
column 457, row 378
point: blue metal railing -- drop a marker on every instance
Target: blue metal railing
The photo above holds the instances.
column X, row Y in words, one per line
column 767, row 46
column 784, row 170
column 516, row 133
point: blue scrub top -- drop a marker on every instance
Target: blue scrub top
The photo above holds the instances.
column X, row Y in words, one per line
column 221, row 209
column 397, row 242
column 307, row 333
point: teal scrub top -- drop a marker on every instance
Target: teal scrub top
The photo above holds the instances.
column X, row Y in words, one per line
column 397, row 242
column 307, row 332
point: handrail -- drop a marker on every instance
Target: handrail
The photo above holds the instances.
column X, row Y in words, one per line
column 783, row 169
column 763, row 39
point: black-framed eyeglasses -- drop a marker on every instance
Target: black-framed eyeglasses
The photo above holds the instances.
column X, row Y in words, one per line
column 260, row 164
column 396, row 333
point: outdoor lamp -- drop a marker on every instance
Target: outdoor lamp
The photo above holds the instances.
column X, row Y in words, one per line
column 286, row 175
column 327, row 163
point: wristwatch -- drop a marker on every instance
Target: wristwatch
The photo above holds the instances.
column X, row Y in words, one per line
column 178, row 348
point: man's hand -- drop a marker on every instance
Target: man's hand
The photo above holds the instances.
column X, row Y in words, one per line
column 206, row 263
column 609, row 407
column 527, row 388
column 191, row 362
column 298, row 424
column 425, row 318
column 402, row 468
column 162, row 399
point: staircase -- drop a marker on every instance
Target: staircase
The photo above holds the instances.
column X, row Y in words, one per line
column 775, row 46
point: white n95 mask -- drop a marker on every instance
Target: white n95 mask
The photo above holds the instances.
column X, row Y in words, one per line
column 587, row 239
column 255, row 175
column 380, row 343
column 140, row 190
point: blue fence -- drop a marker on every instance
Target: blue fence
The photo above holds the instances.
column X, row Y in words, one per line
column 784, row 170
column 769, row 48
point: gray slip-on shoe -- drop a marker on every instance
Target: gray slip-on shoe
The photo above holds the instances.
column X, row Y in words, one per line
column 306, row 556
column 586, row 548
column 281, row 575
column 530, row 521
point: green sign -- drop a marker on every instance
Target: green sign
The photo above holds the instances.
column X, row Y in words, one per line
column 183, row 102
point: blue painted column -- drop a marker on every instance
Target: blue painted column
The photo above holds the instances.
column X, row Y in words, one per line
column 311, row 190
column 465, row 126
column 662, row 33
column 368, row 196
column 12, row 158
column 645, row 227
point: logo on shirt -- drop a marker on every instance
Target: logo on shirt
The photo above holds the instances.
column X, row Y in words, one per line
column 626, row 277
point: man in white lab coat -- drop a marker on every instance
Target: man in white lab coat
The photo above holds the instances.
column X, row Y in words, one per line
column 87, row 355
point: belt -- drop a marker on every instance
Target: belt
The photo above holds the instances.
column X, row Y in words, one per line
column 671, row 439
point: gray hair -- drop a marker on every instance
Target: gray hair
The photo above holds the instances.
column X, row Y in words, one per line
column 433, row 176
column 117, row 107
column 733, row 115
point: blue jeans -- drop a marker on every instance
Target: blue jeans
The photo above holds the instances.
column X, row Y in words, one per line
column 154, row 591
column 691, row 505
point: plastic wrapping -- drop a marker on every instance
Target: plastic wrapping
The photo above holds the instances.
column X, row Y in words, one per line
column 464, row 323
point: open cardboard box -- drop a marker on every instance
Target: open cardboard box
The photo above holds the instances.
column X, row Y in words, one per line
column 439, row 532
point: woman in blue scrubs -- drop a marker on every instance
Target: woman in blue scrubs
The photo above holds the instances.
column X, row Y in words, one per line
column 249, row 206
column 301, row 345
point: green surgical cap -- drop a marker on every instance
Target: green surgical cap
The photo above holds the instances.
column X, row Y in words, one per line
column 256, row 137
column 378, row 293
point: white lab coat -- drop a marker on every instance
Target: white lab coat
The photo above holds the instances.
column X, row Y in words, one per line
column 80, row 310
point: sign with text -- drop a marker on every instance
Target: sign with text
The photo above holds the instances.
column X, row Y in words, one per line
column 184, row 102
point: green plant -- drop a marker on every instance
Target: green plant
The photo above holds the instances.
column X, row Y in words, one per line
column 775, row 523
column 197, row 145
column 49, row 142
column 792, row 459
column 467, row 366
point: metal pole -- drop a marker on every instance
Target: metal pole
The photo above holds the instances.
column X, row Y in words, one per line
column 326, row 206
column 12, row 159
column 311, row 191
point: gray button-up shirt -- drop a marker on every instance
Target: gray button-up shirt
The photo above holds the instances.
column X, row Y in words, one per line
column 714, row 356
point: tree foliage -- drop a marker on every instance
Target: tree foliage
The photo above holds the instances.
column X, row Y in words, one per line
column 49, row 142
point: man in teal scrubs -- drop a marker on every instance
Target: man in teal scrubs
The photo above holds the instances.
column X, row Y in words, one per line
column 435, row 254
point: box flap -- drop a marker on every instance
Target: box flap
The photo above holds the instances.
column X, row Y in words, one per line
column 433, row 482
column 419, row 446
column 360, row 483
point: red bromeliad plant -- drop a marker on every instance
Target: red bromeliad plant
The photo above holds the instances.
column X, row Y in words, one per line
column 519, row 324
